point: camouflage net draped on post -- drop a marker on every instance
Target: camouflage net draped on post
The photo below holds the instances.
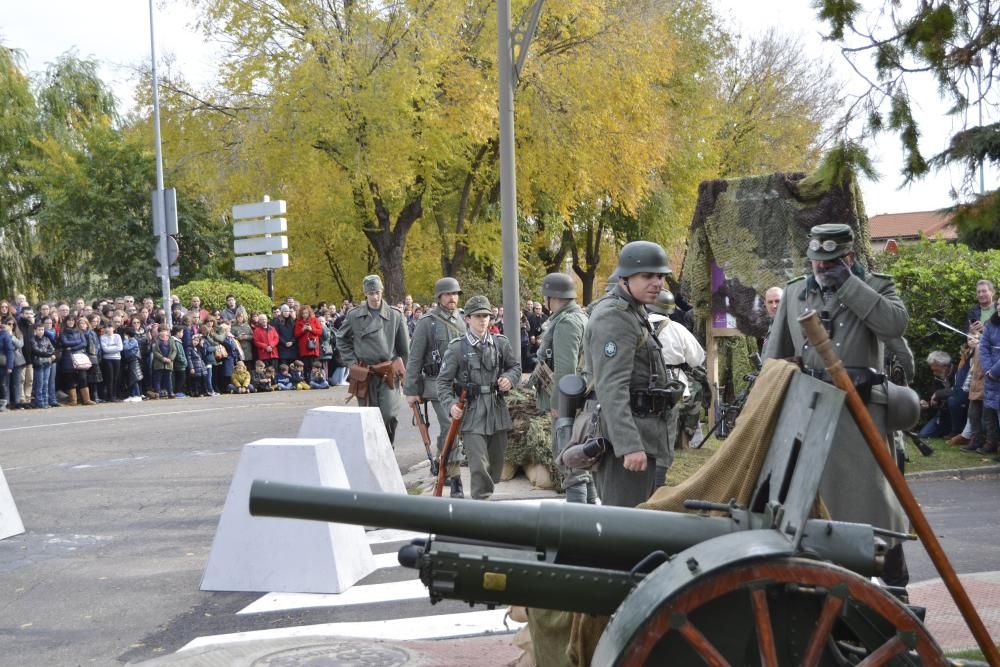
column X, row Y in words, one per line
column 530, row 439
column 756, row 229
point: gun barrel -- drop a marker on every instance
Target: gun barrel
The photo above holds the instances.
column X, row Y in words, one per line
column 608, row 537
column 585, row 535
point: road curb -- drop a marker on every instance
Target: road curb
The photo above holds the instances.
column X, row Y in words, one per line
column 960, row 473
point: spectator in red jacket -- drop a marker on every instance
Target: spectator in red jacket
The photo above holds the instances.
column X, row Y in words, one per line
column 265, row 341
column 308, row 330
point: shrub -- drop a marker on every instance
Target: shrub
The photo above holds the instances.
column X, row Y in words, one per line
column 937, row 279
column 213, row 295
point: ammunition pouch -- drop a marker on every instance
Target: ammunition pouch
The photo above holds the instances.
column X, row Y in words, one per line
column 391, row 372
column 862, row 378
column 655, row 402
column 474, row 391
column 433, row 367
column 357, row 379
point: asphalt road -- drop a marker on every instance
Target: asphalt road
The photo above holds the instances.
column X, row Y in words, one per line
column 121, row 502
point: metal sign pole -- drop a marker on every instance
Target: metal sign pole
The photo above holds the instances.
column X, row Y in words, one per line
column 158, row 199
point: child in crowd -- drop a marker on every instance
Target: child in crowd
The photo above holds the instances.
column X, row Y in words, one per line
column 282, row 379
column 240, row 380
column 206, row 348
column 180, row 361
column 317, row 379
column 198, row 371
column 261, row 380
column 43, row 353
column 299, row 375
column 163, row 365
column 131, row 367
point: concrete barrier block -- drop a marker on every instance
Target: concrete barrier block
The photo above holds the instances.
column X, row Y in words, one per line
column 10, row 520
column 363, row 445
column 285, row 555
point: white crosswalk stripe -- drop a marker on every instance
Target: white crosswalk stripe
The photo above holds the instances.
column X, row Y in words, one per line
column 373, row 597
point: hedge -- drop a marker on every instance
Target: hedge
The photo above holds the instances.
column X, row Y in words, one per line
column 937, row 279
column 213, row 295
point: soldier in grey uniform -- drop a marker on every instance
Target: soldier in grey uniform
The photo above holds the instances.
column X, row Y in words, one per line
column 561, row 352
column 441, row 324
column 622, row 362
column 860, row 311
column 484, row 365
column 371, row 333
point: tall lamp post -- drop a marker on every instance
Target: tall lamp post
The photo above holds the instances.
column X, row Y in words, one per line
column 509, row 72
column 158, row 199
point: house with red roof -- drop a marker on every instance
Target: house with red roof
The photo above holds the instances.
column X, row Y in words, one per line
column 900, row 228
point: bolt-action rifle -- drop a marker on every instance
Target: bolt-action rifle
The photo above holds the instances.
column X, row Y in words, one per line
column 422, row 422
column 449, row 441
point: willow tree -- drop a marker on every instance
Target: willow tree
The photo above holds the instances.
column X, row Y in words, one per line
column 19, row 129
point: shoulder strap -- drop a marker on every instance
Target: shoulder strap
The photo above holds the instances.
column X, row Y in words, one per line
column 436, row 314
column 660, row 326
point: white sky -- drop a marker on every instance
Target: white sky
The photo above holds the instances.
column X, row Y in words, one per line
column 116, row 33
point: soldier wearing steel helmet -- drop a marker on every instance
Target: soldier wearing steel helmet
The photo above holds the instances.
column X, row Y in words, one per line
column 560, row 353
column 622, row 362
column 372, row 333
column 433, row 332
column 861, row 311
column 483, row 365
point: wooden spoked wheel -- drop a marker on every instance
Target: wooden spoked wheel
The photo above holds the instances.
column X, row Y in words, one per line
column 786, row 611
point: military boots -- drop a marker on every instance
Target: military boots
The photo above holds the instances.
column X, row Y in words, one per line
column 456, row 487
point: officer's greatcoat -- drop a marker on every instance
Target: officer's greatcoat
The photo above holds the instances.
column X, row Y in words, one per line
column 863, row 312
column 371, row 338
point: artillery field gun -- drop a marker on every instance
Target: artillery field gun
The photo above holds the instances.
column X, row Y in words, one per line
column 758, row 585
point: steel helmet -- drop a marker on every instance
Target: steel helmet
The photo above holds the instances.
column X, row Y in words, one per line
column 664, row 304
column 446, row 285
column 559, row 285
column 642, row 257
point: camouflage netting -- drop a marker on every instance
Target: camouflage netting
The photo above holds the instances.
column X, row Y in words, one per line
column 530, row 440
column 756, row 229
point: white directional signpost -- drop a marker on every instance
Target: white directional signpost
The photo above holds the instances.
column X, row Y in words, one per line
column 259, row 238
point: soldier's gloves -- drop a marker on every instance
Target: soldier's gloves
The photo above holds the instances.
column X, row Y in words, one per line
column 836, row 276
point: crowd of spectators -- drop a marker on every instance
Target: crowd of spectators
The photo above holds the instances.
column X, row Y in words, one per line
column 120, row 350
column 963, row 404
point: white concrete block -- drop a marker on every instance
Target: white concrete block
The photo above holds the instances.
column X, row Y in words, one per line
column 363, row 445
column 287, row 555
column 10, row 520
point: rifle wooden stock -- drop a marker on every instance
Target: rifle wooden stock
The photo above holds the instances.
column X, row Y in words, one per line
column 425, row 434
column 449, row 440
column 818, row 338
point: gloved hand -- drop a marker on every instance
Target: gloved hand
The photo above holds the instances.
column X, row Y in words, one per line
column 837, row 275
